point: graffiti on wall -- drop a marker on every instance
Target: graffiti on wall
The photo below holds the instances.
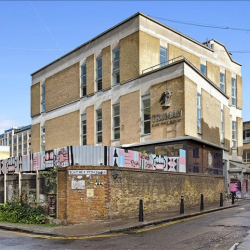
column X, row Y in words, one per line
column 95, row 156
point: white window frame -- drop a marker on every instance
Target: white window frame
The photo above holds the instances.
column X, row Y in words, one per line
column 84, row 129
column 116, row 66
column 199, row 125
column 98, row 120
column 98, row 79
column 43, row 96
column 84, row 76
column 114, row 118
column 222, row 126
column 247, row 159
column 143, row 108
column 222, row 82
column 234, row 89
column 234, row 134
column 163, row 62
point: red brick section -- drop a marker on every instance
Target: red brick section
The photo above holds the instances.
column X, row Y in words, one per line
column 119, row 198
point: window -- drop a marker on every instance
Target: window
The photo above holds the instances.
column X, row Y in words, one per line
column 233, row 92
column 246, row 155
column 246, row 135
column 25, row 137
column 116, row 66
column 116, row 122
column 25, row 146
column 196, row 153
column 84, row 79
column 43, row 138
column 204, row 69
column 43, row 98
column 9, row 142
column 222, row 82
column 14, row 140
column 234, row 134
column 14, row 148
column 221, row 126
column 20, row 147
column 84, row 130
column 146, row 115
column 20, row 139
column 199, row 113
column 99, row 73
column 99, row 125
column 163, row 56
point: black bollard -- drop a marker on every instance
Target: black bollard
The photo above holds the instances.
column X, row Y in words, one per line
column 221, row 200
column 141, row 219
column 232, row 197
column 182, row 205
column 202, row 203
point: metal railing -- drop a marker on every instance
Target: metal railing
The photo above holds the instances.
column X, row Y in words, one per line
column 157, row 66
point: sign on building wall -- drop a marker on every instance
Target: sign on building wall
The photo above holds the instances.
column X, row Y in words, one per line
column 77, row 184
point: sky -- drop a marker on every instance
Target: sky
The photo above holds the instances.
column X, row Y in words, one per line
column 35, row 33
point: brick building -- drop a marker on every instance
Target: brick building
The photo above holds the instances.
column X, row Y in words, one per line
column 18, row 139
column 142, row 84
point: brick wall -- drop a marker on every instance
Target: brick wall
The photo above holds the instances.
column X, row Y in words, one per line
column 90, row 122
column 164, row 129
column 227, row 128
column 36, row 138
column 90, row 74
column 62, row 131
column 105, row 197
column 213, row 73
column 174, row 52
column 63, row 87
column 35, row 99
column 106, row 119
column 106, row 67
column 211, row 118
column 239, row 92
column 130, row 119
column 129, row 57
column 229, row 86
column 190, row 102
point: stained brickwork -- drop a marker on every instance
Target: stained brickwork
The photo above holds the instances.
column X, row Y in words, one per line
column 90, row 121
column 35, row 138
column 172, row 127
column 227, row 128
column 213, row 73
column 190, row 107
column 61, row 193
column 149, row 48
column 63, row 87
column 174, row 52
column 239, row 91
column 239, row 136
column 130, row 119
column 106, row 118
column 91, row 74
column 211, row 118
column 63, row 131
column 229, row 86
column 35, row 99
column 105, row 197
column 106, row 67
column 129, row 57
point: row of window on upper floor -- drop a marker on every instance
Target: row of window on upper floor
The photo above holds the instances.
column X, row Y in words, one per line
column 203, row 69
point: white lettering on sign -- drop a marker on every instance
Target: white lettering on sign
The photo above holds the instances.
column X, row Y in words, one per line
column 87, row 172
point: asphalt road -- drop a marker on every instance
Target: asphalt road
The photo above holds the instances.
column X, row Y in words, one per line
column 219, row 230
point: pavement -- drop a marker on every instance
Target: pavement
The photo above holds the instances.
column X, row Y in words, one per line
column 114, row 226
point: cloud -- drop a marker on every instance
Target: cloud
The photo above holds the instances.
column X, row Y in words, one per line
column 6, row 124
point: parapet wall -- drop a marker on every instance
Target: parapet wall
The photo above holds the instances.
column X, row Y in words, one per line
column 104, row 193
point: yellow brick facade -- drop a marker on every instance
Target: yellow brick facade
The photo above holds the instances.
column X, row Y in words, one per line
column 107, row 67
column 90, row 121
column 90, row 75
column 106, row 120
column 228, row 80
column 172, row 127
column 227, row 128
column 63, row 87
column 63, row 131
column 213, row 73
column 130, row 118
column 174, row 52
column 36, row 138
column 211, row 118
column 35, row 99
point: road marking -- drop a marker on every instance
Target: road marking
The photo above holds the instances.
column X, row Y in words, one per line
column 234, row 246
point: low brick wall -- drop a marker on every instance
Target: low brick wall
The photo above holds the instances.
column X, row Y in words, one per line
column 116, row 193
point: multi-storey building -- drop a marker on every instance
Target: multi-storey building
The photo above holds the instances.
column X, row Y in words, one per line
column 142, row 84
column 246, row 143
column 18, row 139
